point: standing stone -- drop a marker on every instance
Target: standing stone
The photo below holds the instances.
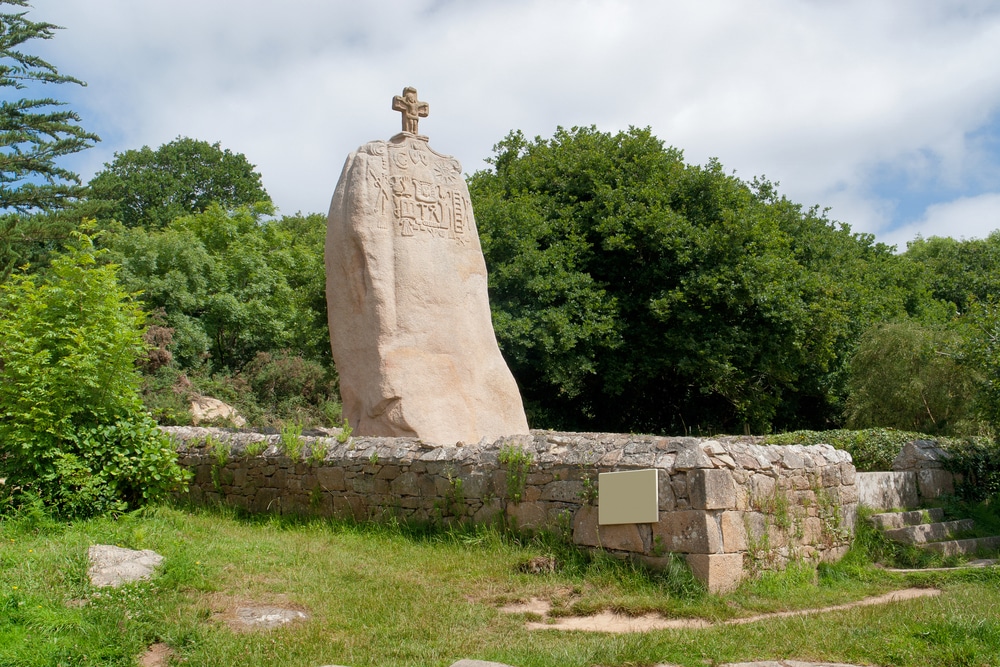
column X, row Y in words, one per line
column 410, row 323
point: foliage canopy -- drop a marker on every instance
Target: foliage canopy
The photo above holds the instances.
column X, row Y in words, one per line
column 183, row 177
column 632, row 291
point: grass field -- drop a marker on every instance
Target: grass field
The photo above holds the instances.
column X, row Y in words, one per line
column 397, row 595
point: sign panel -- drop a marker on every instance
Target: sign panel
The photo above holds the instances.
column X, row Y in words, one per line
column 628, row 497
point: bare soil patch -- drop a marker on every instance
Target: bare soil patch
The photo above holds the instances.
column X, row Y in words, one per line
column 248, row 615
column 158, row 655
column 620, row 623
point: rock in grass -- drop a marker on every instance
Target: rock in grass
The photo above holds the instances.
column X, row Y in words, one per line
column 113, row 566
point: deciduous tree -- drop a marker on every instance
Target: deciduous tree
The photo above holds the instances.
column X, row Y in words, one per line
column 632, row 291
column 151, row 188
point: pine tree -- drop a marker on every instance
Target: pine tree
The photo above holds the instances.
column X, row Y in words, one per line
column 34, row 133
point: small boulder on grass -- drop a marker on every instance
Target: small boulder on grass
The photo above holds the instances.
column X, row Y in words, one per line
column 113, row 566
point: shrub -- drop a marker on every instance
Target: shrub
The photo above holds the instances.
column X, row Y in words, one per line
column 73, row 430
column 977, row 460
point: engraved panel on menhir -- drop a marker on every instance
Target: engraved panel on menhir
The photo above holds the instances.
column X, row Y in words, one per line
column 425, row 200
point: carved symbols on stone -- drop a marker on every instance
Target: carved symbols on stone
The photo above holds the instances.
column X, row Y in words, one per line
column 424, row 193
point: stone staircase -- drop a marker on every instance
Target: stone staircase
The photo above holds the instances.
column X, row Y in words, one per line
column 926, row 529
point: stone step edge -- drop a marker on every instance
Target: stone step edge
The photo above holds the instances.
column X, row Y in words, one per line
column 979, row 562
column 892, row 520
column 930, row 532
column 962, row 547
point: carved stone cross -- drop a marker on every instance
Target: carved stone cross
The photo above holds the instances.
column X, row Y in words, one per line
column 411, row 109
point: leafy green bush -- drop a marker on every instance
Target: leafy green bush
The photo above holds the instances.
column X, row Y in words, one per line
column 73, row 430
column 977, row 460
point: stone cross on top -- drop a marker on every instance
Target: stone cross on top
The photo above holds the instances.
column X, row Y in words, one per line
column 411, row 109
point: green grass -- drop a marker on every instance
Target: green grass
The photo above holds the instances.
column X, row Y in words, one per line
column 402, row 595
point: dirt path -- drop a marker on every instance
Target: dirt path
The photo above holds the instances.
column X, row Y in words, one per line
column 620, row 623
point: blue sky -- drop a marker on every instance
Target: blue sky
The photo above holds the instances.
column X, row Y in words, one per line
column 887, row 112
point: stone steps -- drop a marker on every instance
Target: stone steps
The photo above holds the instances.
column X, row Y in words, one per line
column 965, row 547
column 930, row 532
column 925, row 530
column 891, row 520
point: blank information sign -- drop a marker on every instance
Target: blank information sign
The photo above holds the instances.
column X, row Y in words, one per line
column 628, row 497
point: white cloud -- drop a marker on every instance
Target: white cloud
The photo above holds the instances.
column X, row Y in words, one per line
column 813, row 95
column 966, row 218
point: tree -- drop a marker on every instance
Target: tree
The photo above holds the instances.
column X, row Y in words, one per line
column 958, row 272
column 910, row 376
column 983, row 347
column 151, row 188
column 34, row 134
column 632, row 291
column 231, row 284
column 73, row 430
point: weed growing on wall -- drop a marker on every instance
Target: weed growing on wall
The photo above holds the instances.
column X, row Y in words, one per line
column 518, row 462
column 345, row 432
column 255, row 448
column 292, row 443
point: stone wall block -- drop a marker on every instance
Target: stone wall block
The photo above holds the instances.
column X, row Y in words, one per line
column 623, row 537
column 564, row 491
column 405, row 485
column 934, row 482
column 847, row 473
column 688, row 531
column 585, row 527
column 691, row 456
column 531, row 494
column 756, row 525
column 203, row 475
column 725, row 460
column 266, row 500
column 792, row 459
column 831, row 475
column 744, row 460
column 720, row 573
column 388, row 472
column 734, row 532
column 527, row 515
column 428, row 485
column 538, row 478
column 363, row 484
column 665, row 462
column 712, row 489
column 761, row 487
column 473, row 484
column 490, row 512
column 665, row 492
column 742, row 497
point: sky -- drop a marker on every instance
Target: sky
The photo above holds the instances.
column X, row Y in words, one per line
column 886, row 112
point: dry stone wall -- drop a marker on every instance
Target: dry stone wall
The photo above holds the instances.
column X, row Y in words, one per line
column 729, row 504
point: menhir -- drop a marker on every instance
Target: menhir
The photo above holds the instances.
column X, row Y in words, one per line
column 409, row 313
